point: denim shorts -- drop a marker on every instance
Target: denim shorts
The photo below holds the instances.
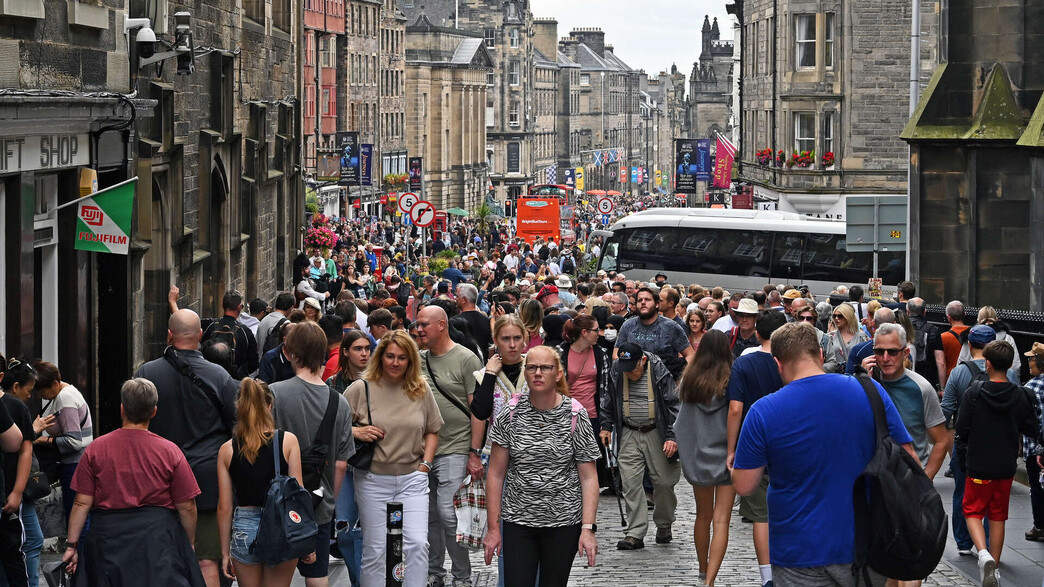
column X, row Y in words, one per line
column 244, row 530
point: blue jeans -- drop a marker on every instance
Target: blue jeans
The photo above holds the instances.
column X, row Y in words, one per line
column 960, row 526
column 349, row 532
column 245, row 522
column 33, row 543
column 65, row 475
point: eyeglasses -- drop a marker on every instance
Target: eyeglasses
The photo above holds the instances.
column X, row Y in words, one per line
column 891, row 352
column 544, row 369
column 838, row 317
column 808, row 318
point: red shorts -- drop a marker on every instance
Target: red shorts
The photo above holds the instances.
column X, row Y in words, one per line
column 987, row 499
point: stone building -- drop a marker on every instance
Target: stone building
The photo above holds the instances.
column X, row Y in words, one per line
column 710, row 85
column 446, row 84
column 977, row 160
column 323, row 71
column 826, row 78
column 216, row 152
column 390, row 149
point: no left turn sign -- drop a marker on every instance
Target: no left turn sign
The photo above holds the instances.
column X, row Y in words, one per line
column 605, row 206
column 407, row 201
column 423, row 213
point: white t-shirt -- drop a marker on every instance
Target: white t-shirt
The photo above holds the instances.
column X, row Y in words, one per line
column 724, row 324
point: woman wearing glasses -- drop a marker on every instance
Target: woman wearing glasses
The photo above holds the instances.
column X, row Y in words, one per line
column 542, row 480
column 393, row 406
column 839, row 343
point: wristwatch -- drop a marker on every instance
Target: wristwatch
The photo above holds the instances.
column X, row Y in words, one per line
column 591, row 527
column 475, row 452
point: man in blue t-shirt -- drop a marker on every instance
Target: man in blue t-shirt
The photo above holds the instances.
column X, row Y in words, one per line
column 816, row 435
column 754, row 375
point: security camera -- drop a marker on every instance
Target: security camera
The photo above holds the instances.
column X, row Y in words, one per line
column 146, row 40
column 183, row 44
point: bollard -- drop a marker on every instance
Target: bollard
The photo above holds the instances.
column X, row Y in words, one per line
column 395, row 568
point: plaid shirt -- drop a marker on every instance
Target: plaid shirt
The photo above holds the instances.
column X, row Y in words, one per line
column 1036, row 387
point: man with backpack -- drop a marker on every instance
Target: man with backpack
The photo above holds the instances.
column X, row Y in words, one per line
column 228, row 329
column 815, row 455
column 989, row 422
column 930, row 361
column 954, row 338
column 321, row 420
column 961, row 378
column 283, row 303
column 198, row 401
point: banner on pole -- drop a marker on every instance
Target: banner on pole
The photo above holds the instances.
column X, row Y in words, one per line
column 703, row 160
column 685, row 165
column 366, row 164
column 348, row 150
column 580, row 178
column 723, row 163
column 103, row 219
column 416, row 173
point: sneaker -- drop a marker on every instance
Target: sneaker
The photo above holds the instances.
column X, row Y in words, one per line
column 462, row 583
column 1035, row 534
column 769, row 584
column 630, row 543
column 970, row 551
column 664, row 535
column 987, row 569
column 434, row 581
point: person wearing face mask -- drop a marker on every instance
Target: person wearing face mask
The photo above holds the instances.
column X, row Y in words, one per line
column 612, row 330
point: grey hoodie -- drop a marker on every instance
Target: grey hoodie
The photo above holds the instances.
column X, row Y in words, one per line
column 701, row 433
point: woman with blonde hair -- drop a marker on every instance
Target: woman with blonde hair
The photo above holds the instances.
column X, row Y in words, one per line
column 845, row 335
column 542, row 480
column 988, row 316
column 393, row 406
column 532, row 315
column 502, row 376
column 703, row 445
column 246, row 465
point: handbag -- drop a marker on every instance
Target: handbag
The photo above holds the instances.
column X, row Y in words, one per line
column 37, row 486
column 363, row 457
column 469, row 503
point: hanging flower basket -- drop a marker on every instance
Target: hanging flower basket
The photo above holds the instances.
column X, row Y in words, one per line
column 781, row 158
column 320, row 237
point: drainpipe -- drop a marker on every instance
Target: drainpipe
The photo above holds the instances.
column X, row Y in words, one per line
column 915, row 93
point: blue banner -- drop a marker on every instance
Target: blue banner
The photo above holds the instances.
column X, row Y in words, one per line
column 366, row 164
column 704, row 167
column 634, row 175
column 570, row 177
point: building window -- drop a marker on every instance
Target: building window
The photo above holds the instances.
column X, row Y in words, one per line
column 326, row 51
column 490, row 77
column 491, row 38
column 515, row 77
column 513, row 116
column 805, row 51
column 829, row 40
column 513, row 38
column 255, row 10
column 828, row 133
column 804, row 131
column 585, row 79
column 326, row 101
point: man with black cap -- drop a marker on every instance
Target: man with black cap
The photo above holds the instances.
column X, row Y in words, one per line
column 661, row 279
column 640, row 408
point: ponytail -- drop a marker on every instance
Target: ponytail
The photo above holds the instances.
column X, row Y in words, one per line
column 254, row 422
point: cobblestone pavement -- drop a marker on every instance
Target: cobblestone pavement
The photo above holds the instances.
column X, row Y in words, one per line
column 672, row 564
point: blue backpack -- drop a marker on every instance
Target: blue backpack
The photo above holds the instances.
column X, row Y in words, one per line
column 287, row 529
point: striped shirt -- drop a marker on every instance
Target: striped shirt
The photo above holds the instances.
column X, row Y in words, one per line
column 72, row 429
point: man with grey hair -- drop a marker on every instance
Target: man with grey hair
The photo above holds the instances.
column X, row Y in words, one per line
column 618, row 304
column 914, row 398
column 865, row 349
column 954, row 338
column 467, row 300
column 134, row 469
column 929, row 360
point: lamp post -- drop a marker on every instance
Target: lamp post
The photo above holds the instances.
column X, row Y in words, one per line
column 601, row 142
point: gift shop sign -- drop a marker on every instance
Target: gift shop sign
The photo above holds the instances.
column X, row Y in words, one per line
column 43, row 152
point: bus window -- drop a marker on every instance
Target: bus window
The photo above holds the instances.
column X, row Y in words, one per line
column 827, row 260
column 609, row 254
column 891, row 266
column 786, row 257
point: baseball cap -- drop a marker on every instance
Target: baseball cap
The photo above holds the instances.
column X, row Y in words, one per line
column 660, row 274
column 981, row 334
column 546, row 291
column 524, row 283
column 628, row 356
column 791, row 294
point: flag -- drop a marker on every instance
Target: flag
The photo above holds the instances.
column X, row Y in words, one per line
column 597, row 157
column 723, row 163
column 103, row 219
column 605, row 157
column 552, row 173
column 614, row 156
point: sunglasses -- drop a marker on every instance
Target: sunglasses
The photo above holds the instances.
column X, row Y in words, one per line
column 808, row 318
column 891, row 352
column 838, row 317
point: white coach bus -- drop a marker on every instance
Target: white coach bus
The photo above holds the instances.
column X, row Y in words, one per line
column 740, row 250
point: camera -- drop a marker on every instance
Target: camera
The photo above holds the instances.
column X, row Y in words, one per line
column 146, row 41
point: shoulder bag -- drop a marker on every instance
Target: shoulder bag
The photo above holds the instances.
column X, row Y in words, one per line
column 363, row 456
column 456, row 402
column 171, row 356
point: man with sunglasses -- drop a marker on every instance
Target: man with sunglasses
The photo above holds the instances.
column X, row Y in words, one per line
column 913, row 396
column 866, row 349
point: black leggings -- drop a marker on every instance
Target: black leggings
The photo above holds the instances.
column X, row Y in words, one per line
column 527, row 549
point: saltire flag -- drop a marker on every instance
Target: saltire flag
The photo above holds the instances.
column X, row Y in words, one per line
column 723, row 162
column 552, row 173
column 597, row 157
column 103, row 219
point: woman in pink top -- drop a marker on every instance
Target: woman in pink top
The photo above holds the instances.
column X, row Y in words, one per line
column 586, row 366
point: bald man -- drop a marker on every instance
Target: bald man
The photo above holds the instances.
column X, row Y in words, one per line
column 197, row 419
column 450, row 370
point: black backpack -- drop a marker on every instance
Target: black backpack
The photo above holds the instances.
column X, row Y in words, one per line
column 224, row 332
column 273, row 339
column 962, row 337
column 900, row 524
column 315, row 458
column 568, row 265
column 287, row 529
